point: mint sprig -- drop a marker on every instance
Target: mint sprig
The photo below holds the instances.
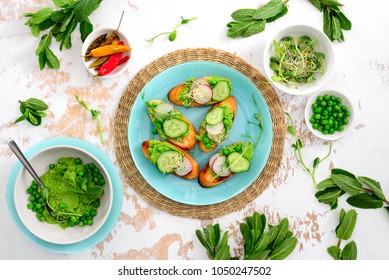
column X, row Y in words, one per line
column 275, row 244
column 344, row 230
column 32, row 110
column 59, row 25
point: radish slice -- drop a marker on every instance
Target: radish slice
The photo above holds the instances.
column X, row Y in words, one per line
column 186, row 168
column 202, row 93
column 198, row 82
column 220, row 168
column 162, row 110
column 212, row 159
column 214, row 129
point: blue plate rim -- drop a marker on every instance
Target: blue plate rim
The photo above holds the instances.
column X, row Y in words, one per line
column 116, row 203
column 258, row 91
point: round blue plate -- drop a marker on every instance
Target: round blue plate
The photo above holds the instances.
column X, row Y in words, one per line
column 116, row 204
column 244, row 91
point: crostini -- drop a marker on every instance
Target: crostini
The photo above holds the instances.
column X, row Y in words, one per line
column 217, row 124
column 226, row 163
column 170, row 159
column 202, row 91
column 171, row 125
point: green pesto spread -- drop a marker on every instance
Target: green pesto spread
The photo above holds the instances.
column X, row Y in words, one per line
column 156, row 148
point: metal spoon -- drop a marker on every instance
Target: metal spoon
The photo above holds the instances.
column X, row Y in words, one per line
column 45, row 192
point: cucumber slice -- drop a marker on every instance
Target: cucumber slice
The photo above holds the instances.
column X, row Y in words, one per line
column 174, row 128
column 237, row 162
column 169, row 161
column 215, row 116
column 221, row 91
column 163, row 110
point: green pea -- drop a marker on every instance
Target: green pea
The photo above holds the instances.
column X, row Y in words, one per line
column 81, row 173
column 324, row 122
column 52, row 166
column 314, row 105
column 341, row 128
column 96, row 204
column 101, row 182
column 154, row 104
column 340, row 115
column 315, row 126
column 154, row 131
column 238, row 148
column 326, row 97
column 30, row 205
column 206, row 140
column 318, row 110
column 96, row 169
column 331, row 131
column 38, row 206
column 160, row 120
column 73, row 219
column 319, row 98
column 317, row 116
column 31, row 198
column 208, row 146
column 312, row 120
column 42, row 218
column 158, row 125
column 325, row 132
column 95, row 179
column 225, row 152
column 90, row 222
column 93, row 212
column 160, row 149
column 62, row 205
column 77, row 161
column 81, row 224
column 323, row 103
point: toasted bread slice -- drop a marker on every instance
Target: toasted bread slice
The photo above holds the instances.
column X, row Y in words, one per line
column 230, row 102
column 189, row 140
column 193, row 174
column 175, row 92
column 208, row 180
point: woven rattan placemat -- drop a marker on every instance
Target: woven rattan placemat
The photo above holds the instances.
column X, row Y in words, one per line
column 140, row 185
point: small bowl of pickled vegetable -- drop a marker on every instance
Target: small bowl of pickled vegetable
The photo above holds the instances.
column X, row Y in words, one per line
column 79, row 196
column 106, row 52
column 329, row 114
column 299, row 59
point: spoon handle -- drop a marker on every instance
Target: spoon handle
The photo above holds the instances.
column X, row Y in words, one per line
column 18, row 153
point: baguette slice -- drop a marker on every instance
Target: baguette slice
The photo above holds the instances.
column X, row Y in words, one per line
column 174, row 94
column 189, row 140
column 195, row 166
column 230, row 102
column 208, row 180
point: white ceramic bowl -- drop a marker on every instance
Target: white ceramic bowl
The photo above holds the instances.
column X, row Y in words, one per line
column 345, row 101
column 53, row 233
column 91, row 37
column 323, row 44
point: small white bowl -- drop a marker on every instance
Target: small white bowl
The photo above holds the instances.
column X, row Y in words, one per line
column 53, row 233
column 323, row 44
column 91, row 37
column 345, row 101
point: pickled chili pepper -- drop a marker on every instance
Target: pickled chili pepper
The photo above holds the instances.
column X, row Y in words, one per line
column 110, row 65
column 108, row 50
column 124, row 59
column 98, row 62
column 114, row 34
column 95, row 44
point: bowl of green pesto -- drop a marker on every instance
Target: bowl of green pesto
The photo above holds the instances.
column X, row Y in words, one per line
column 79, row 196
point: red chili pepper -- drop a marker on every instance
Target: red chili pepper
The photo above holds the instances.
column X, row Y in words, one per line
column 111, row 63
column 124, row 59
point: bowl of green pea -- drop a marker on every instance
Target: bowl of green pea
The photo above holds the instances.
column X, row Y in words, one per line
column 329, row 114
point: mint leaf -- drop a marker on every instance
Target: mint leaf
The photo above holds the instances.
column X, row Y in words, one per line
column 347, row 225
column 338, row 171
column 325, row 184
column 316, row 3
column 329, row 195
column 365, row 201
column 331, row 3
column 63, row 3
column 43, row 44
column 335, row 252
column 243, row 14
column 35, row 104
column 85, row 29
column 94, row 192
column 270, row 9
column 350, row 251
column 284, row 249
column 52, row 59
column 277, row 16
column 373, row 185
column 23, row 116
column 282, row 231
column 84, row 8
column 39, row 16
column 66, row 39
column 254, row 28
column 347, row 184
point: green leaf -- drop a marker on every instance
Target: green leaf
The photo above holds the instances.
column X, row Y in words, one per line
column 39, row 16
column 32, row 119
column 261, row 255
column 346, row 183
column 203, row 241
column 216, row 230
column 46, row 24
column 271, row 9
column 66, row 22
column 243, row 14
column 335, row 252
column 254, row 28
column 273, row 233
column 35, row 104
column 277, row 16
column 282, row 231
column 85, row 29
column 329, row 195
column 52, row 59
column 345, row 23
column 23, row 116
column 94, row 192
column 84, row 8
column 63, row 3
column 338, row 171
column 331, row 3
column 210, row 236
column 347, row 225
column 316, row 162
column 365, row 201
column 291, row 130
column 327, row 24
column 316, row 3
column 43, row 44
column 35, row 30
column 350, row 251
column 66, row 39
column 325, row 184
column 58, row 16
column 237, row 30
column 284, row 249
column 337, row 33
column 223, row 253
column 42, row 59
column 373, row 185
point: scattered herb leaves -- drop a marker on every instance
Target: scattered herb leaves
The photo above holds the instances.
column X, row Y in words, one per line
column 61, row 23
column 298, row 145
column 172, row 35
column 334, row 20
column 365, row 192
column 248, row 22
column 344, row 230
column 32, row 110
column 95, row 115
column 275, row 244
